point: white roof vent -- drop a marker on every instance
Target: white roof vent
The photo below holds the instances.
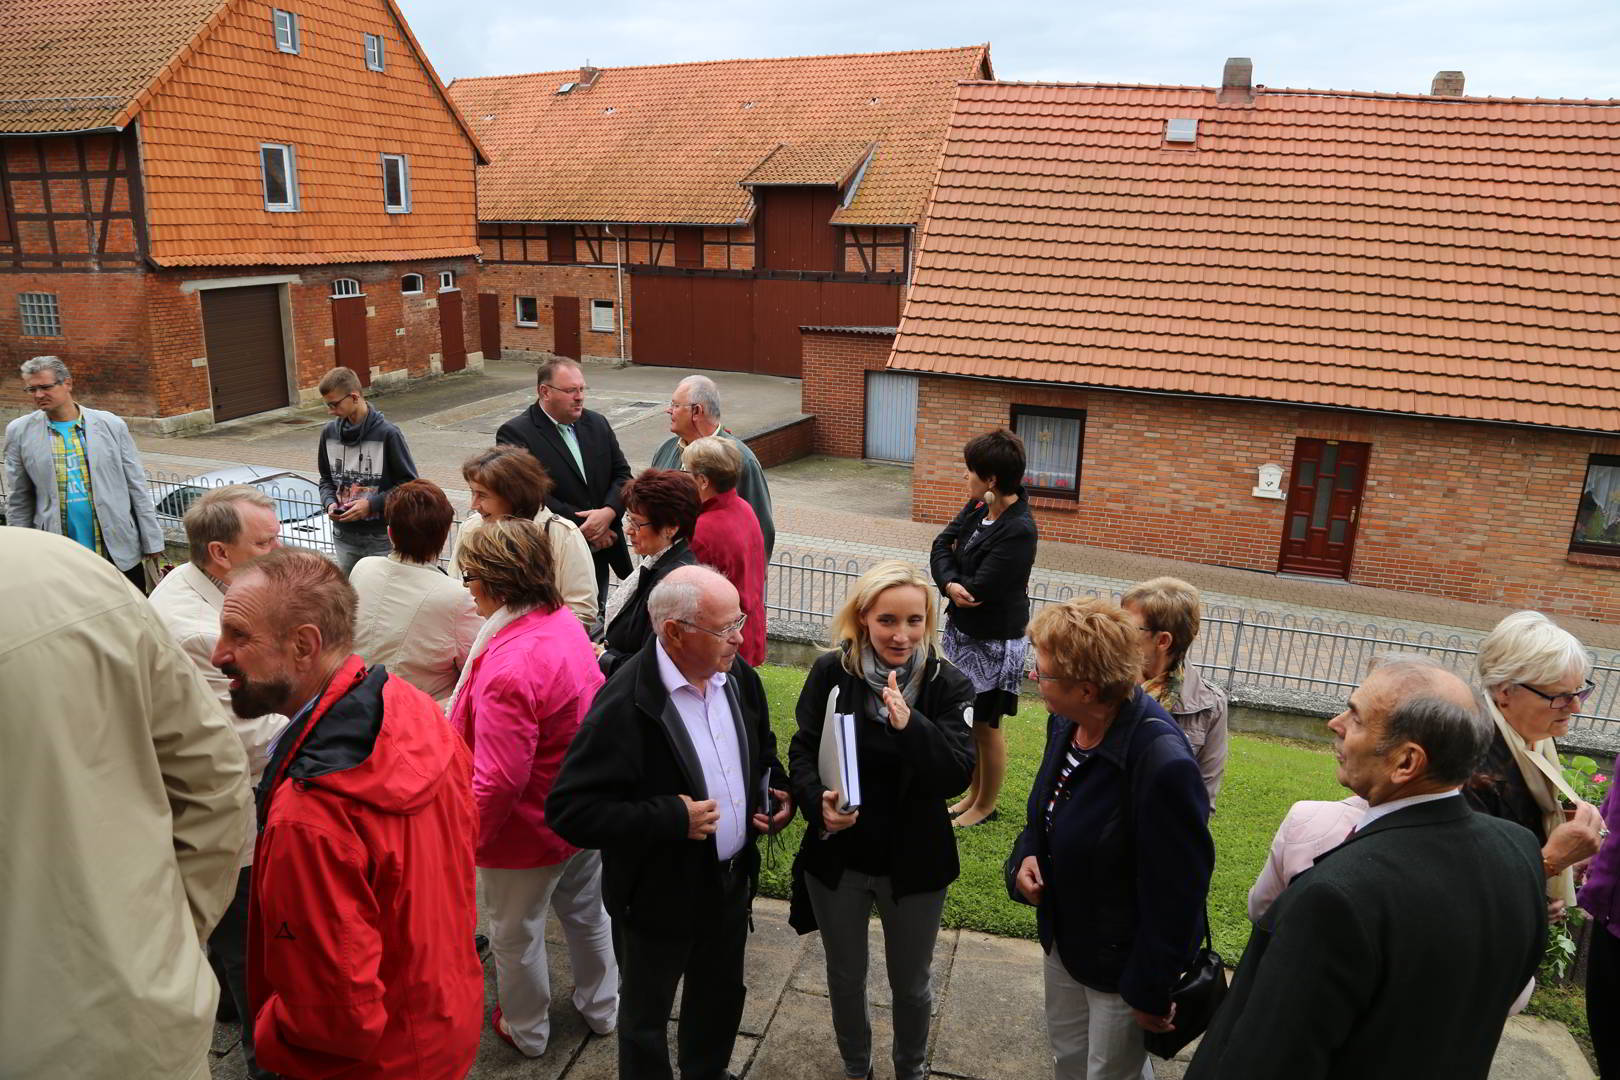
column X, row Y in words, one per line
column 1181, row 129
column 565, row 87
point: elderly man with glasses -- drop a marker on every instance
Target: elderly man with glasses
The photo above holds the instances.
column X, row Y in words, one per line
column 694, row 413
column 672, row 775
column 74, row 470
column 581, row 454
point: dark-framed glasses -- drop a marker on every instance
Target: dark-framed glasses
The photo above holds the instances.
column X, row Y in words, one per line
column 468, row 579
column 1564, row 701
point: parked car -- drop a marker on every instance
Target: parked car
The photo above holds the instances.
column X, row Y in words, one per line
column 297, row 498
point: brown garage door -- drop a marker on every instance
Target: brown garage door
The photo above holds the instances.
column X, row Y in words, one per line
column 247, row 365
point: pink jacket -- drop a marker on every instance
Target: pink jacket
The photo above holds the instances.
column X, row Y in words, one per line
column 518, row 711
column 1310, row 829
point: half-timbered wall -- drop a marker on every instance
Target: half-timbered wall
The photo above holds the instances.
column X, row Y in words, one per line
column 70, row 203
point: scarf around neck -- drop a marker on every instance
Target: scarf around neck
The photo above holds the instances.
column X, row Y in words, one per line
column 908, row 675
column 1543, row 775
column 505, row 616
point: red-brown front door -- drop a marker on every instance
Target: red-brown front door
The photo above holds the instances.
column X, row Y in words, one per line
column 1324, row 500
column 452, row 345
column 349, row 336
column 565, row 326
column 489, row 325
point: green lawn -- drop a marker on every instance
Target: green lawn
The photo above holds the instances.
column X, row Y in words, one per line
column 1263, row 778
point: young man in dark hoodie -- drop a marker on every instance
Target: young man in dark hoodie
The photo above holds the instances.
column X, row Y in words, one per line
column 362, row 458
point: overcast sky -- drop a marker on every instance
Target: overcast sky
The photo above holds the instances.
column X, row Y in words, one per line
column 1557, row 48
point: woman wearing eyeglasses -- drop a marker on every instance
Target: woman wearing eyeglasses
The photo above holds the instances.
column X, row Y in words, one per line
column 660, row 512
column 1536, row 676
column 913, row 747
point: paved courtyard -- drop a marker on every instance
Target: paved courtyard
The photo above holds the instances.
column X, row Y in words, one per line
column 988, row 1023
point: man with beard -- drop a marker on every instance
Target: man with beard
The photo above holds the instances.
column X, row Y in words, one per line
column 360, row 947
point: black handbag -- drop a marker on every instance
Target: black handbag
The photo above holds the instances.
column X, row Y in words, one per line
column 1197, row 994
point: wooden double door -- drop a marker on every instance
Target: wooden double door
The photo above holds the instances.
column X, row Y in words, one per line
column 1324, row 503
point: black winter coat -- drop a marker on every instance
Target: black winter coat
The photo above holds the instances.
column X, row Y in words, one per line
column 618, row 791
column 632, row 627
column 995, row 570
column 1128, row 861
column 936, row 761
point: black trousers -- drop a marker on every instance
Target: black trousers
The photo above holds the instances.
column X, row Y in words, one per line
column 227, row 955
column 709, row 955
column 1603, row 999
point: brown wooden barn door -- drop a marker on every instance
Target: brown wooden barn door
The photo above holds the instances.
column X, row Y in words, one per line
column 565, row 326
column 349, row 336
column 452, row 345
column 1324, row 500
column 489, row 325
column 247, row 362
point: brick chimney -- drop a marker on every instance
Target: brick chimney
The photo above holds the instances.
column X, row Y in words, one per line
column 587, row 76
column 1447, row 84
column 1237, row 82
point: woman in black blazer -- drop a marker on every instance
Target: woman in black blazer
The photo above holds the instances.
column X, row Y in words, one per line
column 895, row 849
column 660, row 511
column 981, row 562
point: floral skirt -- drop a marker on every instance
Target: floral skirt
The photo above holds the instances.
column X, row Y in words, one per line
column 995, row 668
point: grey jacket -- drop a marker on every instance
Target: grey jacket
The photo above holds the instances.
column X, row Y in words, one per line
column 1201, row 712
column 123, row 504
column 751, row 486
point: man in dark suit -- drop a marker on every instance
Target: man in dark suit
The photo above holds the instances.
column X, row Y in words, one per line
column 1398, row 954
column 667, row 777
column 582, row 456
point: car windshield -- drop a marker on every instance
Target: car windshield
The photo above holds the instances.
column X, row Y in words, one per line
column 295, row 499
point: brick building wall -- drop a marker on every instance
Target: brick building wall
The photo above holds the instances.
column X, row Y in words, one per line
column 512, row 280
column 834, row 386
column 104, row 338
column 1470, row 511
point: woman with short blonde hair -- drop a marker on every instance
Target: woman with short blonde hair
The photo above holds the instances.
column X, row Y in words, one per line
column 1167, row 614
column 911, row 713
column 1116, row 855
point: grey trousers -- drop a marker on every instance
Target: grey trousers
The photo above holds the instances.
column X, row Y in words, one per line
column 350, row 549
column 1093, row 1034
column 910, row 927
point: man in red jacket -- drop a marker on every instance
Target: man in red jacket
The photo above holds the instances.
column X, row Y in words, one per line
column 360, row 942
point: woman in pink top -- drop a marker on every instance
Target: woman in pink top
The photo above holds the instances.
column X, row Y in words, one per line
column 728, row 536
column 530, row 678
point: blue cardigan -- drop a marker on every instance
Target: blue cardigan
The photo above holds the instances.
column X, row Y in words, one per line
column 1128, row 861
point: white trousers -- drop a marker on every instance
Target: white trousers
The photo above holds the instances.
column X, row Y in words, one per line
column 1093, row 1034
column 518, row 902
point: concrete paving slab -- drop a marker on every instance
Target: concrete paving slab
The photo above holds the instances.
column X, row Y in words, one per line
column 599, row 1059
column 1537, row 1049
column 811, row 976
column 800, row 1043
column 995, row 986
column 775, row 952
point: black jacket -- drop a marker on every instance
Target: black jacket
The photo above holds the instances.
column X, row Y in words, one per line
column 632, row 628
column 362, row 461
column 1128, row 861
column 936, row 756
column 619, row 789
column 995, row 570
column 1497, row 788
column 1396, row 956
column 606, row 470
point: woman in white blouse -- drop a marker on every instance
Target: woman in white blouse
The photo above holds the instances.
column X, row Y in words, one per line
column 413, row 618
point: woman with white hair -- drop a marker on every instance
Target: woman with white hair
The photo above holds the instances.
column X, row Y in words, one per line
column 1536, row 676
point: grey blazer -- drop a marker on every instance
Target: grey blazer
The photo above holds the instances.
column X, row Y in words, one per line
column 123, row 503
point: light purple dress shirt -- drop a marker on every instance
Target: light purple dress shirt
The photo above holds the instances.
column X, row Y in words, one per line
column 713, row 732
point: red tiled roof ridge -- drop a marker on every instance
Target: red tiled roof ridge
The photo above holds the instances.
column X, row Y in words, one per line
column 982, row 49
column 1299, row 91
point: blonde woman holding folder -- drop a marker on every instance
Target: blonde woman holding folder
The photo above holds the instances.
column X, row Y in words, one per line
column 887, row 709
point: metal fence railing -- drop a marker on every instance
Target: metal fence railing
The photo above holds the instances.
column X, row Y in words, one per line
column 1234, row 647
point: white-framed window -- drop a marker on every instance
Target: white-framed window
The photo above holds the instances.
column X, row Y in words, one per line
column 279, row 170
column 40, row 315
column 396, row 184
column 528, row 311
column 374, row 52
column 346, row 286
column 1052, row 442
column 285, row 25
column 447, row 280
column 410, row 283
column 602, row 315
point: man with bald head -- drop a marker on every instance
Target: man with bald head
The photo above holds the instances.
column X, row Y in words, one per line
column 1399, row 953
column 360, row 946
column 671, row 776
column 694, row 413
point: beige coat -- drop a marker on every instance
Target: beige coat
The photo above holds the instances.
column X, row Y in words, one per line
column 415, row 621
column 576, row 572
column 123, row 805
column 189, row 603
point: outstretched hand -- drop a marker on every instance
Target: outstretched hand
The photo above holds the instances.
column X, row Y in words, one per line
column 895, row 702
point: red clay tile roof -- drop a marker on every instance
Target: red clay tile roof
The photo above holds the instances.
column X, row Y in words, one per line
column 671, row 143
column 827, row 163
column 1449, row 257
